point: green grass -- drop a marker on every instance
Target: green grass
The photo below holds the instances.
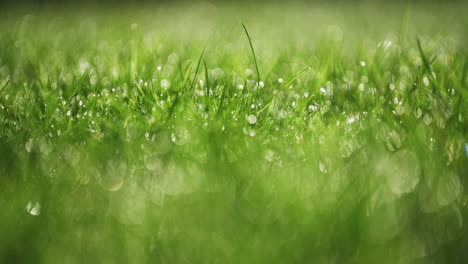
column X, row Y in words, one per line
column 261, row 133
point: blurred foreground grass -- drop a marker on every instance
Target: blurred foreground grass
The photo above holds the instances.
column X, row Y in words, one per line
column 132, row 136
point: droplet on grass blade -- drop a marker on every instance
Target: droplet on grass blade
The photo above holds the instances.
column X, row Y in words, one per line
column 448, row 189
column 33, row 208
column 418, row 113
column 427, row 119
column 346, row 149
column 249, row 131
column 425, row 81
column 153, row 162
column 322, row 167
column 180, row 136
column 313, row 108
column 165, row 84
column 393, row 141
column 252, row 119
column 29, row 145
column 114, row 179
column 403, row 172
column 399, row 109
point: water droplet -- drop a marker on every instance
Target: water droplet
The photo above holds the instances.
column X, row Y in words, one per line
column 346, row 149
column 33, row 208
column 393, row 141
column 252, row 119
column 322, row 167
column 402, row 172
column 448, row 189
column 114, row 179
column 313, row 108
column 165, row 84
column 427, row 119
column 249, row 131
column 282, row 114
column 180, row 136
column 363, row 63
column 351, row 119
column 29, row 145
column 418, row 113
column 269, row 155
column 280, row 80
column 44, row 147
column 425, row 81
column 153, row 162
column 399, row 109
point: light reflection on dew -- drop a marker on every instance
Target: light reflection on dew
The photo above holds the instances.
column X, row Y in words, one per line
column 114, row 178
column 33, row 209
column 117, row 185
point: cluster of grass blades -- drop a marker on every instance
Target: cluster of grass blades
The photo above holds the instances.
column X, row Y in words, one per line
column 306, row 134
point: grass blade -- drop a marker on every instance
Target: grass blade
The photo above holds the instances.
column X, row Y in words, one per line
column 4, row 86
column 253, row 52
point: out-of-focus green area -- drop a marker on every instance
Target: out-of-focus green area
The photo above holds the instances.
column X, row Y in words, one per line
column 151, row 135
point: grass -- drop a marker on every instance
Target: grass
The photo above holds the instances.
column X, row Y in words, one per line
column 178, row 134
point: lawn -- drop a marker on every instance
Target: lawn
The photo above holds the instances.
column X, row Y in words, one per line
column 234, row 133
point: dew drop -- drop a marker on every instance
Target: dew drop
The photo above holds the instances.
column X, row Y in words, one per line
column 427, row 119
column 393, row 141
column 402, row 172
column 346, row 149
column 252, row 119
column 426, row 81
column 29, row 145
column 33, row 208
column 180, row 136
column 418, row 113
column 153, row 162
column 448, row 189
column 322, row 167
column 165, row 84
